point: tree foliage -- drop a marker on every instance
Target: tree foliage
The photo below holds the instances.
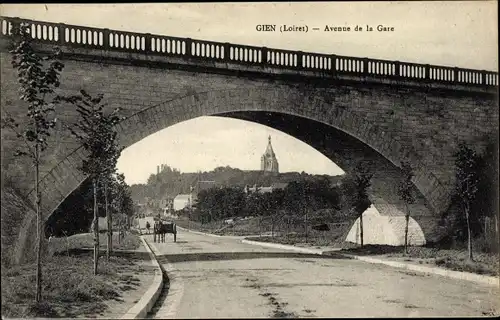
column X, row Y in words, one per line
column 355, row 185
column 96, row 132
column 405, row 192
column 95, row 129
column 467, row 174
column 75, row 213
column 38, row 77
column 405, row 188
column 223, row 203
column 355, row 199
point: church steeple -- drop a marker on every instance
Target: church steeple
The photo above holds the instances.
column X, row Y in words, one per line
column 269, row 149
column 268, row 161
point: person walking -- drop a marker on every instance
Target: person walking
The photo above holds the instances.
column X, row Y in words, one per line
column 148, row 226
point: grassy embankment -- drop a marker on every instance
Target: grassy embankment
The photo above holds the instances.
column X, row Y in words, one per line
column 453, row 259
column 70, row 288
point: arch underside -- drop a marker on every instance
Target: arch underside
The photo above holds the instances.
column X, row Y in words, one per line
column 331, row 129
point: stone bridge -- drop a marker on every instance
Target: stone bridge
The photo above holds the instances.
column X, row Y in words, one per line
column 350, row 109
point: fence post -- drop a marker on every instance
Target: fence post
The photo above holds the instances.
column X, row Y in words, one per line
column 264, row 56
column 105, row 39
column 455, row 75
column 365, row 66
column 397, row 66
column 189, row 45
column 227, row 53
column 300, row 60
column 62, row 33
column 147, row 45
column 483, row 77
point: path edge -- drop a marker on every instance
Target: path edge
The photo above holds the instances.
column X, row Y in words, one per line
column 460, row 275
column 146, row 303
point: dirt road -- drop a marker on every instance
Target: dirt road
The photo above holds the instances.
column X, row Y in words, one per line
column 219, row 277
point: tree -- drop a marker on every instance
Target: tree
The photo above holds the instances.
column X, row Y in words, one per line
column 110, row 159
column 38, row 77
column 405, row 192
column 95, row 130
column 467, row 181
column 355, row 193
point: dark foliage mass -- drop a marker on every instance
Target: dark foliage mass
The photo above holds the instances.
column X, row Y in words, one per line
column 482, row 203
column 75, row 214
column 294, row 199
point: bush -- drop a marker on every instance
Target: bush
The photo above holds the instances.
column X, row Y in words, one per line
column 42, row 309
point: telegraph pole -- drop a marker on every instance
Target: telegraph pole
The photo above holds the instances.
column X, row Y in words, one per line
column 190, row 203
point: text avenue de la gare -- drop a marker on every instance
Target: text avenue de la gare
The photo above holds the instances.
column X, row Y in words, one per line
column 325, row 28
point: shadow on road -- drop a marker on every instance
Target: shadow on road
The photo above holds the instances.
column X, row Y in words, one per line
column 130, row 255
column 374, row 249
column 217, row 256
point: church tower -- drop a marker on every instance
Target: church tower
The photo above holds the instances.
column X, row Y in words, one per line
column 268, row 161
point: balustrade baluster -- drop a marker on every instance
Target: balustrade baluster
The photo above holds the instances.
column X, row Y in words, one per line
column 148, row 46
column 61, row 33
column 105, row 38
column 226, row 52
column 455, row 75
column 365, row 65
column 189, row 43
column 300, row 56
column 264, row 56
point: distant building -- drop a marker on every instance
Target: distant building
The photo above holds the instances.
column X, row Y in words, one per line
column 274, row 186
column 279, row 185
column 182, row 201
column 268, row 161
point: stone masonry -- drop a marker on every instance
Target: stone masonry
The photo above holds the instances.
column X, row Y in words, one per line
column 386, row 119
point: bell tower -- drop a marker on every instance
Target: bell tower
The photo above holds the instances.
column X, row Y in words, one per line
column 268, row 161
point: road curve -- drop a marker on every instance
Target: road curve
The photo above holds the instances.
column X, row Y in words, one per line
column 219, row 277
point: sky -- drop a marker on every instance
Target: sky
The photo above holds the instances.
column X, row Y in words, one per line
column 449, row 33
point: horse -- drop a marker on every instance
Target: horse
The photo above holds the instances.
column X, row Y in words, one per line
column 160, row 228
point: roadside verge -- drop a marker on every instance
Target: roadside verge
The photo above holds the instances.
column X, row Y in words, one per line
column 145, row 304
column 468, row 276
column 199, row 232
column 284, row 247
column 168, row 309
column 477, row 278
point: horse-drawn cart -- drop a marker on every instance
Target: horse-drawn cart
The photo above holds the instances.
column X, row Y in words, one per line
column 161, row 227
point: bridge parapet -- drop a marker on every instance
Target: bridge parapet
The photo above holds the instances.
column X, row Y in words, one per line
column 331, row 65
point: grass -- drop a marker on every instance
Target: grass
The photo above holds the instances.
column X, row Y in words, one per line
column 453, row 259
column 69, row 287
column 86, row 240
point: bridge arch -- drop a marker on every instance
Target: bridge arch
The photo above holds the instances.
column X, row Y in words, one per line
column 326, row 122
